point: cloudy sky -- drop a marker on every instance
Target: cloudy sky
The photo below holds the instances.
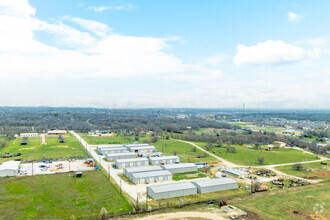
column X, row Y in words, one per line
column 147, row 53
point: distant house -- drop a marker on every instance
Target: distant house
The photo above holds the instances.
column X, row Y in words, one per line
column 29, row 135
column 98, row 132
column 292, row 132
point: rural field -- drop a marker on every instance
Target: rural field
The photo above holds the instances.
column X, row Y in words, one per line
column 114, row 139
column 248, row 157
column 213, row 131
column 59, row 196
column 314, row 169
column 267, row 128
column 184, row 151
column 34, row 150
column 282, row 206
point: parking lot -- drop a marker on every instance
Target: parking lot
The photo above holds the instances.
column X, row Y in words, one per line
column 54, row 167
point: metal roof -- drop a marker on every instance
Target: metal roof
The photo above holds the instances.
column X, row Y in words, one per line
column 164, row 158
column 141, row 147
column 234, row 171
column 178, row 165
column 111, row 146
column 214, row 182
column 10, row 165
column 130, row 160
column 142, row 169
column 136, row 145
column 121, row 154
column 152, row 174
column 171, row 187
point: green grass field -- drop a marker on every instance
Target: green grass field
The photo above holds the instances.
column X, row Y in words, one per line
column 115, row 139
column 34, row 150
column 188, row 175
column 316, row 170
column 59, row 196
column 282, row 206
column 267, row 128
column 213, row 131
column 248, row 157
column 184, row 150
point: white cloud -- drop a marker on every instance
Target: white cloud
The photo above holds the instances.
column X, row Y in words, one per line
column 127, row 7
column 105, row 55
column 293, row 17
column 269, row 52
column 215, row 60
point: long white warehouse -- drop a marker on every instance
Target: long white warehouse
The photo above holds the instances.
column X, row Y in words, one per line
column 9, row 168
column 164, row 159
column 111, row 157
column 129, row 171
column 100, row 147
column 180, row 167
column 142, row 149
column 132, row 162
column 150, row 177
column 115, row 150
column 215, row 185
column 171, row 190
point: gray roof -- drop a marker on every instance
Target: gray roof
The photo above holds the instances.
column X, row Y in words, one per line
column 142, row 147
column 171, row 187
column 164, row 158
column 121, row 154
column 113, row 148
column 110, row 146
column 214, row 182
column 142, row 169
column 235, row 171
column 178, row 165
column 152, row 174
column 136, row 145
column 10, row 165
column 130, row 160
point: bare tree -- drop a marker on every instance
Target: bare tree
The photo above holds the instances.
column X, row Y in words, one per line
column 261, row 159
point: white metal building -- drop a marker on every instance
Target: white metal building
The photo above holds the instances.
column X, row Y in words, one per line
column 132, row 162
column 9, row 168
column 100, row 147
column 29, row 135
column 150, row 177
column 171, row 190
column 142, row 149
column 114, row 150
column 180, row 167
column 164, row 159
column 215, row 185
column 128, row 171
column 111, row 157
column 136, row 145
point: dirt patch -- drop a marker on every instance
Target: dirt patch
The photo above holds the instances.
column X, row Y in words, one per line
column 102, row 135
column 60, row 146
column 324, row 174
column 29, row 148
column 184, row 215
column 308, row 215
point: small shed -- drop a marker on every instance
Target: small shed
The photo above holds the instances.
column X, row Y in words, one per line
column 111, row 157
column 132, row 162
column 180, row 167
column 142, row 149
column 24, row 141
column 215, row 185
column 151, row 176
column 171, row 190
column 129, row 171
column 9, row 168
column 236, row 173
column 164, row 159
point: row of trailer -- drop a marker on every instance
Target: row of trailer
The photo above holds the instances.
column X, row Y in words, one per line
column 144, row 161
column 125, row 148
column 150, row 174
column 165, row 191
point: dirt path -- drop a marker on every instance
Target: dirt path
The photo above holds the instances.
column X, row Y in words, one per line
column 184, row 215
column 43, row 139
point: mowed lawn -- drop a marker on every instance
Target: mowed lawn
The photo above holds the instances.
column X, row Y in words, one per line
column 248, row 157
column 115, row 139
column 184, row 150
column 309, row 169
column 34, row 150
column 282, row 206
column 59, row 196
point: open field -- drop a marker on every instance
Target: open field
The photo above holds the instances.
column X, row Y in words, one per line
column 281, row 206
column 115, row 139
column 59, row 196
column 248, row 157
column 266, row 128
column 309, row 169
column 184, row 151
column 188, row 175
column 34, row 150
column 213, row 131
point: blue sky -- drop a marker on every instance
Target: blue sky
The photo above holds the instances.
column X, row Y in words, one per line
column 136, row 54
